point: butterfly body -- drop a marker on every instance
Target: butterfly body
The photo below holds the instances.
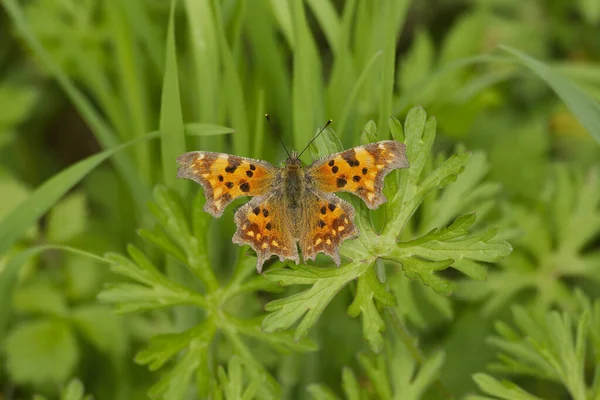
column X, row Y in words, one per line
column 294, row 205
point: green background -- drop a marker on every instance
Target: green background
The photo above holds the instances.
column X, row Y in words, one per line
column 114, row 282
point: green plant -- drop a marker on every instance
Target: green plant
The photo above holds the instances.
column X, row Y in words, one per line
column 552, row 249
column 186, row 243
column 552, row 346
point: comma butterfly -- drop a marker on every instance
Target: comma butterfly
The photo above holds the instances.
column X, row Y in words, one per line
column 295, row 203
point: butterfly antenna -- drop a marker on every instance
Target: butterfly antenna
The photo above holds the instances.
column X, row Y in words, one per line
column 280, row 141
column 316, row 136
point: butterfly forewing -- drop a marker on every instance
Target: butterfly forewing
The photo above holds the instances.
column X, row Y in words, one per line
column 360, row 170
column 225, row 177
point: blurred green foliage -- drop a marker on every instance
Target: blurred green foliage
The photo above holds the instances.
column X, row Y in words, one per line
column 97, row 99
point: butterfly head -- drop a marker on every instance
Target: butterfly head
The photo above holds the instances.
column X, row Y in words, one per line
column 293, row 160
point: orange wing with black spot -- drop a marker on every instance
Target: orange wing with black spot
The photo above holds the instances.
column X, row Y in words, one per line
column 360, row 170
column 329, row 224
column 225, row 177
column 264, row 225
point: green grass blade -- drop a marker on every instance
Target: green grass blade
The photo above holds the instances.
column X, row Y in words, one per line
column 14, row 225
column 343, row 72
column 306, row 98
column 131, row 78
column 101, row 130
column 259, row 126
column 283, row 15
column 200, row 129
column 328, row 19
column 396, row 12
column 204, row 51
column 146, row 31
column 232, row 85
column 172, row 133
column 354, row 93
column 583, row 107
column 270, row 59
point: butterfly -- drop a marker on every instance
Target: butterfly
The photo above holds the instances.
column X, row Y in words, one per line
column 294, row 204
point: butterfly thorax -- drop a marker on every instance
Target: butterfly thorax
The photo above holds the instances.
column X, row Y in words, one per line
column 293, row 181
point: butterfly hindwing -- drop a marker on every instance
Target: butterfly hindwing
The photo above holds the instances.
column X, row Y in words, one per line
column 360, row 170
column 263, row 224
column 225, row 177
column 329, row 224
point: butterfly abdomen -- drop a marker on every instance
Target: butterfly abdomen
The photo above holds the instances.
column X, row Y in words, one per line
column 293, row 186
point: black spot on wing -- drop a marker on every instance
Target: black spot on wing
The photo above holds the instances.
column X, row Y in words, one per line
column 350, row 157
column 233, row 163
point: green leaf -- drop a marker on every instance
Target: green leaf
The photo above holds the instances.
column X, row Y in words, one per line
column 416, row 66
column 549, row 345
column 192, row 344
column 9, row 277
column 41, row 352
column 307, row 306
column 74, row 391
column 17, row 101
column 394, row 17
column 284, row 342
column 200, row 129
column 40, row 297
column 424, row 270
column 101, row 328
column 554, row 233
column 172, row 141
column 232, row 383
column 364, row 304
column 583, row 107
column 320, row 392
column 154, row 291
column 326, row 143
column 500, row 389
column 14, row 193
column 350, row 384
column 232, row 84
column 68, row 218
column 306, row 80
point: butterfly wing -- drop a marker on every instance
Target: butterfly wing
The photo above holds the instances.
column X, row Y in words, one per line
column 264, row 225
column 328, row 223
column 360, row 170
column 225, row 177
